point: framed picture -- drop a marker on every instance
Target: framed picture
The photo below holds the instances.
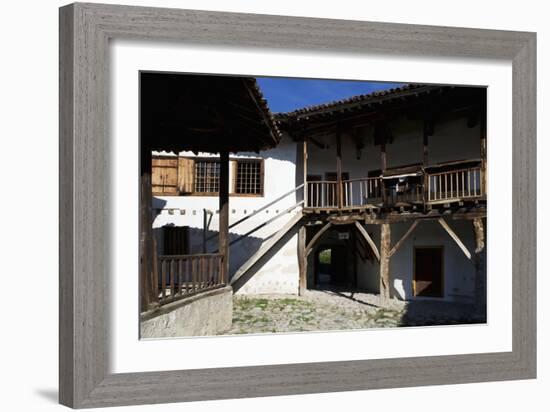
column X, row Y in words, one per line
column 261, row 205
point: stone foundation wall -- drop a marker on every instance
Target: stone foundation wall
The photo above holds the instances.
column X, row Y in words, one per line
column 207, row 313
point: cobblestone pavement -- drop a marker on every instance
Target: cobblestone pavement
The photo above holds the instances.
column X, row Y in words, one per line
column 333, row 310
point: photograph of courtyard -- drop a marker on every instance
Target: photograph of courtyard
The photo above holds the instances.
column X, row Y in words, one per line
column 282, row 205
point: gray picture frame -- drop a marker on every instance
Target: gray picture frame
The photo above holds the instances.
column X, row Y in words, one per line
column 85, row 31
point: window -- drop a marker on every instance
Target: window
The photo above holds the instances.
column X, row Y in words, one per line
column 180, row 176
column 248, row 177
column 207, row 176
column 164, row 176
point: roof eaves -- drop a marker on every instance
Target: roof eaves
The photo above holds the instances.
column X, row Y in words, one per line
column 354, row 102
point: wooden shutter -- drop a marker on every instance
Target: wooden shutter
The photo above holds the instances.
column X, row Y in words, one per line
column 165, row 176
column 186, row 173
column 233, row 175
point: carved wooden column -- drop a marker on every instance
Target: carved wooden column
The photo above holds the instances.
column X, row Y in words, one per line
column 304, row 158
column 383, row 166
column 480, row 283
column 148, row 290
column 223, row 246
column 302, row 260
column 483, row 153
column 425, row 141
column 339, row 168
column 385, row 242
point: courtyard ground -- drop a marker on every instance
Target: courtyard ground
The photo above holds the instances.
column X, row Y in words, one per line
column 339, row 310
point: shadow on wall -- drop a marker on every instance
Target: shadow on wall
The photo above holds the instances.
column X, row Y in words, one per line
column 239, row 252
column 158, row 203
column 264, row 259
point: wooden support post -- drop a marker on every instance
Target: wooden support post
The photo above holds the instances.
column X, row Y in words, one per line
column 148, row 290
column 302, row 260
column 385, row 241
column 483, row 152
column 383, row 167
column 354, row 254
column 306, row 188
column 204, row 229
column 480, row 283
column 339, row 168
column 425, row 143
column 223, row 242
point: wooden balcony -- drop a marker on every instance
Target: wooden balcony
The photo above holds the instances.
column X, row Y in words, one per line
column 180, row 276
column 421, row 189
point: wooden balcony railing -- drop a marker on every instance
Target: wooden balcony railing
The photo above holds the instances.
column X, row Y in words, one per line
column 455, row 185
column 401, row 193
column 440, row 187
column 361, row 192
column 322, row 194
column 182, row 275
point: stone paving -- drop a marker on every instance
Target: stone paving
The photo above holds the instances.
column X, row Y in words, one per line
column 334, row 310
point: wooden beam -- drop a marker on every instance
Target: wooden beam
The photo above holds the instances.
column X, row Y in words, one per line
column 315, row 238
column 383, row 167
column 317, row 143
column 353, row 247
column 302, row 260
column 148, row 289
column 480, row 295
column 425, row 140
column 403, row 238
column 223, row 239
column 304, row 151
column 385, row 241
column 339, row 168
column 369, row 240
column 483, row 148
column 455, row 237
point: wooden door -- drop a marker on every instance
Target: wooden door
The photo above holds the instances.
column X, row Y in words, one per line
column 428, row 271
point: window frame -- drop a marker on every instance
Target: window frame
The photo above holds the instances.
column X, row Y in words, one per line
column 233, row 176
column 196, row 161
column 234, row 192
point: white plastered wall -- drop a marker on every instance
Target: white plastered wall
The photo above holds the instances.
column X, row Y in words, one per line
column 452, row 140
column 458, row 270
column 280, row 271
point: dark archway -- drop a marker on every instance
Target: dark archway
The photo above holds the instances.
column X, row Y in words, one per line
column 331, row 267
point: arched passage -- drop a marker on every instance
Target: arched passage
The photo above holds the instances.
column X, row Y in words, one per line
column 331, row 267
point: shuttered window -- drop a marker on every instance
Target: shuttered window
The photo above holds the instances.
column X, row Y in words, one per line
column 176, row 176
column 186, row 172
column 164, row 177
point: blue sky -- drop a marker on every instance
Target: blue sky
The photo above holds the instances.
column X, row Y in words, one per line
column 285, row 94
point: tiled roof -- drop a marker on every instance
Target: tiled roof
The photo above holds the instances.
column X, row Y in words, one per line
column 354, row 102
column 262, row 102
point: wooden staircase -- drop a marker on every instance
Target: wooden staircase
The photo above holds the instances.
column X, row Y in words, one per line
column 243, row 274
